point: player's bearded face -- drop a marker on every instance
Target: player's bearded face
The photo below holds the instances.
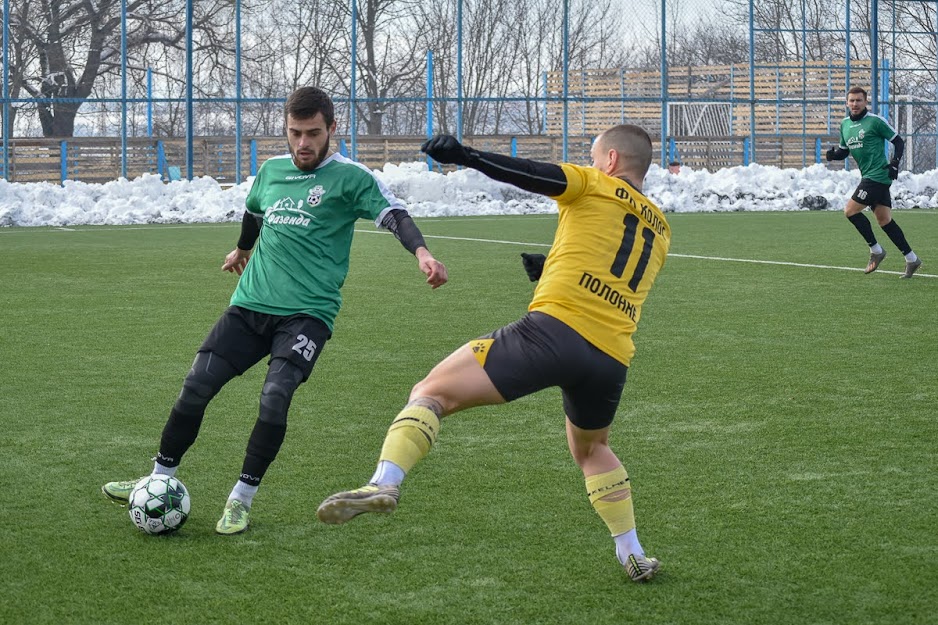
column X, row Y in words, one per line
column 309, row 140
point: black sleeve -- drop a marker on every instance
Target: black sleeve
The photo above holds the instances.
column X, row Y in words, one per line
column 534, row 176
column 399, row 222
column 250, row 230
column 899, row 144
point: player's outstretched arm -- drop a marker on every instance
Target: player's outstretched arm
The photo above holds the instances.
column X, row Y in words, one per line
column 534, row 176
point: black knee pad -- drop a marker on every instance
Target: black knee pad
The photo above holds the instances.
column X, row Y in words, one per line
column 283, row 378
column 208, row 374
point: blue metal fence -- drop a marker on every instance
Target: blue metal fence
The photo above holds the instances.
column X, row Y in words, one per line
column 886, row 64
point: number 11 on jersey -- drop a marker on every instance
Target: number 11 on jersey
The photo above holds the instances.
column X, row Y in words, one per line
column 627, row 247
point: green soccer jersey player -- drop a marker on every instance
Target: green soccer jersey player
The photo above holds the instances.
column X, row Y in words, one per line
column 301, row 213
column 861, row 136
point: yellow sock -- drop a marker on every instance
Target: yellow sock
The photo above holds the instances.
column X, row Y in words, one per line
column 611, row 497
column 410, row 436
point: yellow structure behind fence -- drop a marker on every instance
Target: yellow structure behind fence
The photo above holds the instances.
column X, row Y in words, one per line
column 788, row 98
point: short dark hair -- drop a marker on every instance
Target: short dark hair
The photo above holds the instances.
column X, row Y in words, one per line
column 633, row 145
column 858, row 90
column 673, row 163
column 306, row 102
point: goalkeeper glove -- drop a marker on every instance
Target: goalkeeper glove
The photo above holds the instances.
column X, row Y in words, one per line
column 446, row 149
column 533, row 265
column 893, row 168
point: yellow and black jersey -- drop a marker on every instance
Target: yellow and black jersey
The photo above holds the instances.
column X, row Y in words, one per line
column 610, row 244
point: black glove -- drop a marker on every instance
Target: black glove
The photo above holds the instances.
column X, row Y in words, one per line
column 445, row 149
column 893, row 168
column 837, row 153
column 533, row 265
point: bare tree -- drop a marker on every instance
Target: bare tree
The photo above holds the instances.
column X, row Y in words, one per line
column 792, row 31
column 77, row 42
column 392, row 58
column 20, row 50
column 443, row 42
column 507, row 48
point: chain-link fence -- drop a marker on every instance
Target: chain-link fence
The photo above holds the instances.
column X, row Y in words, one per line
column 93, row 91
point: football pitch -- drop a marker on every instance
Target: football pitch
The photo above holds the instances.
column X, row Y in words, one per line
column 779, row 424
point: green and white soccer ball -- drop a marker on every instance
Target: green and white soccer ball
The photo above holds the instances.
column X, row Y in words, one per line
column 159, row 504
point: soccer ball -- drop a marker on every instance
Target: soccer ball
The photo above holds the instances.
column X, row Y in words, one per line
column 159, row 504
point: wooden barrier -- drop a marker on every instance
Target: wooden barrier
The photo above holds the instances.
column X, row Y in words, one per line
column 97, row 160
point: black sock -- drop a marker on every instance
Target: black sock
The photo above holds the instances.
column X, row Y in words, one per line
column 263, row 446
column 895, row 234
column 179, row 433
column 862, row 224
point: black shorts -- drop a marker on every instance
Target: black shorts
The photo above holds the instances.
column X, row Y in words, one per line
column 539, row 351
column 243, row 337
column 871, row 193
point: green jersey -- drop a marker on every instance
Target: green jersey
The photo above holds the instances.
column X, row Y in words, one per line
column 864, row 138
column 302, row 255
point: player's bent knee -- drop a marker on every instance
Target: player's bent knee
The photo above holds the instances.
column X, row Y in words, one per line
column 208, row 374
column 423, row 389
column 434, row 393
column 275, row 401
column 283, row 378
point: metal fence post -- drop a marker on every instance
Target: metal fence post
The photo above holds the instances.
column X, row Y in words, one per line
column 6, row 90
column 353, row 92
column 429, row 103
column 123, row 88
column 190, row 117
column 63, row 162
column 161, row 159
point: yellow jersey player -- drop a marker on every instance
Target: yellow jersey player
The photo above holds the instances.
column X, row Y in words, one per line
column 610, row 244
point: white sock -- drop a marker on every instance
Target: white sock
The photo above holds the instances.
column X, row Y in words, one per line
column 160, row 469
column 243, row 492
column 911, row 257
column 627, row 544
column 388, row 473
column 876, row 249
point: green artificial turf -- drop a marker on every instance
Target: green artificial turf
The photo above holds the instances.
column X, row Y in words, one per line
column 779, row 426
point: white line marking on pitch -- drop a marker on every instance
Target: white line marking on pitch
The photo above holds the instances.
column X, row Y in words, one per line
column 477, row 240
column 693, row 256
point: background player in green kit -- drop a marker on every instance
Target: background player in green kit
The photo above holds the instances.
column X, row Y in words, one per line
column 301, row 211
column 861, row 136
